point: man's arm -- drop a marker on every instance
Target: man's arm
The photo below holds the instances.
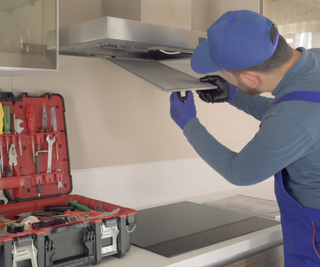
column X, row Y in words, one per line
column 279, row 142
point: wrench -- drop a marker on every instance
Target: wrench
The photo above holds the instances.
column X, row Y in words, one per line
column 50, row 143
column 36, row 157
column 2, row 196
column 19, row 129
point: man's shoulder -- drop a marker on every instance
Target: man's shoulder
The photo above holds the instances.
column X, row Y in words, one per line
column 315, row 52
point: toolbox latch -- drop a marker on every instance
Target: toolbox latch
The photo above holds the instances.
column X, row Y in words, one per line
column 109, row 230
column 49, row 251
column 89, row 243
column 23, row 249
column 131, row 224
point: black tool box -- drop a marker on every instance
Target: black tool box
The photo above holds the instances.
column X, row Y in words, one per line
column 41, row 223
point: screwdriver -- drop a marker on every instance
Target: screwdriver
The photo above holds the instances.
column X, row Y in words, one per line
column 12, row 123
column 6, row 123
column 44, row 127
column 31, row 117
column 1, row 119
column 54, row 126
column 79, row 206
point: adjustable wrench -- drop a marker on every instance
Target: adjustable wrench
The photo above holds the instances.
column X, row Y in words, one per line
column 50, row 143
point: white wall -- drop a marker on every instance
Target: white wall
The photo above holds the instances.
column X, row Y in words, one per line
column 217, row 7
column 77, row 11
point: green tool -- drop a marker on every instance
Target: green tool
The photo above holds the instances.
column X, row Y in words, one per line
column 1, row 119
column 6, row 123
column 6, row 119
column 79, row 206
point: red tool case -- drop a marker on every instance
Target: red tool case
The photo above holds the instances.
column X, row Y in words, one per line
column 77, row 239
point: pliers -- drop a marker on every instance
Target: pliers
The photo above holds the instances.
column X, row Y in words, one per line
column 12, row 168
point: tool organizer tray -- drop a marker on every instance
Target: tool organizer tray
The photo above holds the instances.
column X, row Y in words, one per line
column 41, row 223
column 29, row 184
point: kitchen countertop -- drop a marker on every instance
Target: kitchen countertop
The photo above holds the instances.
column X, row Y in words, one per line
column 215, row 254
column 268, row 257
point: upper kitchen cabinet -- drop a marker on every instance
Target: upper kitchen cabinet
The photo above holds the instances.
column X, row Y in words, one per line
column 24, row 27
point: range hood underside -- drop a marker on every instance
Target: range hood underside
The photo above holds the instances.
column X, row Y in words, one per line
column 103, row 49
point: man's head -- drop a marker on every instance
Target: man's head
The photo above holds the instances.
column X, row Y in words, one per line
column 247, row 79
column 242, row 43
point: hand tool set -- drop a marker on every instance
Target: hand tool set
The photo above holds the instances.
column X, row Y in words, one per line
column 41, row 223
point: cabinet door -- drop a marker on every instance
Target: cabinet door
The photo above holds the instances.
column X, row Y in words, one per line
column 24, row 28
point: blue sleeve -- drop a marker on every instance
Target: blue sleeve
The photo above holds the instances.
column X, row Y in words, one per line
column 252, row 105
column 279, row 142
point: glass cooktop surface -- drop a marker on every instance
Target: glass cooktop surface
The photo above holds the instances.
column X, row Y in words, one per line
column 181, row 227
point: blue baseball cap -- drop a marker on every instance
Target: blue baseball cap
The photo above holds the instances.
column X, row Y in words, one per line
column 237, row 40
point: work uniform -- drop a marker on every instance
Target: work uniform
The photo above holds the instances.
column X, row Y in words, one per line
column 288, row 145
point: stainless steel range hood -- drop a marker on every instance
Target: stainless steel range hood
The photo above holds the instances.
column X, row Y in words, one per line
column 119, row 39
column 116, row 37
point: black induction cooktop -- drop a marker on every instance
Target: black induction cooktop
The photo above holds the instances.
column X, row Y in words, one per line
column 181, row 227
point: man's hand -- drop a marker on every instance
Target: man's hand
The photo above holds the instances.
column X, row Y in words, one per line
column 220, row 94
column 182, row 112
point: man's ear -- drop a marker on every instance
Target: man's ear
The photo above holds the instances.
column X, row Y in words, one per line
column 250, row 78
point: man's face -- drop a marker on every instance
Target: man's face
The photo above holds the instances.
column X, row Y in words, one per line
column 237, row 81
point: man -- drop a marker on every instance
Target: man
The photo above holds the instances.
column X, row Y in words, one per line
column 249, row 50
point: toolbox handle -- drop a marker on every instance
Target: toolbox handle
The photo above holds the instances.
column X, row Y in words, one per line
column 9, row 96
column 75, row 262
column 68, row 227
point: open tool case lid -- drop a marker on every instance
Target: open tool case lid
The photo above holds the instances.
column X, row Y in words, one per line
column 34, row 184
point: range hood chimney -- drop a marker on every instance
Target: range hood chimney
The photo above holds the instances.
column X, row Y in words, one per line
column 137, row 47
